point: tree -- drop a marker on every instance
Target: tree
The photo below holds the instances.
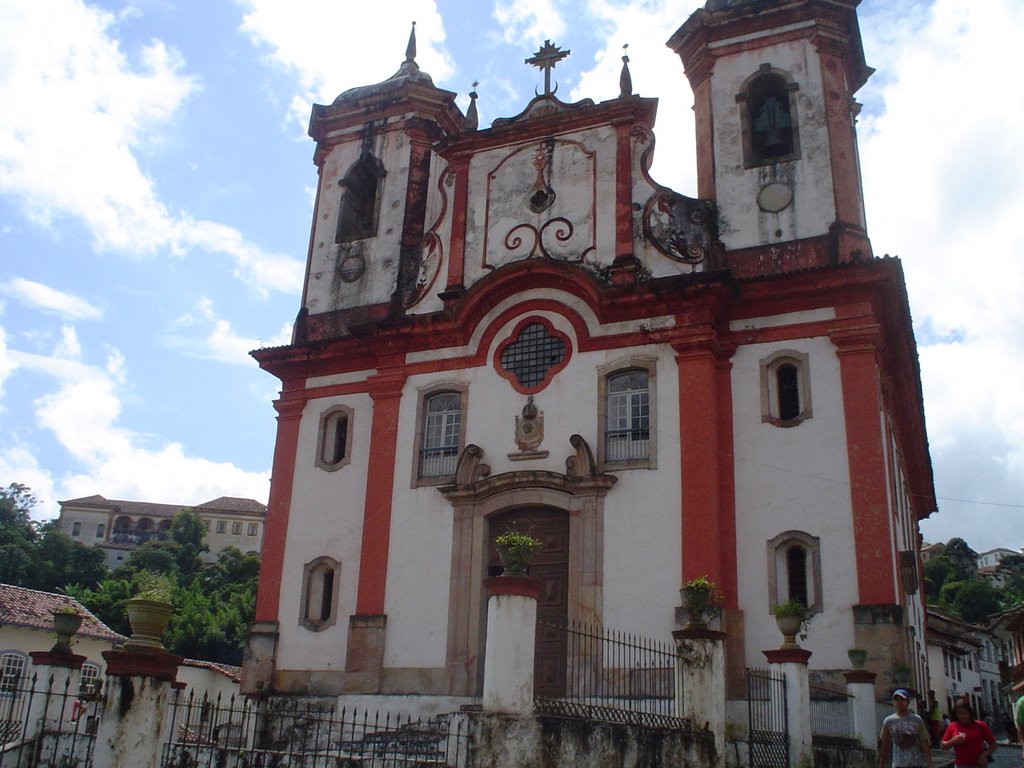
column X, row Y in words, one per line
column 16, row 502
column 16, row 529
column 60, row 562
column 1011, row 568
column 37, row 555
column 188, row 532
column 975, row 600
column 962, row 557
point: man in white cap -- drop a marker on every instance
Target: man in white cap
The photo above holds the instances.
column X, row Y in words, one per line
column 904, row 737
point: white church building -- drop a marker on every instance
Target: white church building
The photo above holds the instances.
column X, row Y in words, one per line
column 519, row 325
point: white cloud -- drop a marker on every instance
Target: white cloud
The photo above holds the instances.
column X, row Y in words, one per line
column 944, row 190
column 68, row 347
column 332, row 47
column 524, row 22
column 83, row 414
column 655, row 71
column 7, row 364
column 38, row 296
column 77, row 115
column 216, row 338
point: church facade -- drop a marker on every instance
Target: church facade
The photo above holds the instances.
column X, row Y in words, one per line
column 518, row 327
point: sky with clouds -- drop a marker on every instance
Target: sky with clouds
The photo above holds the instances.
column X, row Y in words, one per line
column 156, row 187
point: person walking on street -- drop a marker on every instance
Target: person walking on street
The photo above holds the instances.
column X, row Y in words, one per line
column 935, row 727
column 972, row 740
column 1018, row 721
column 904, row 737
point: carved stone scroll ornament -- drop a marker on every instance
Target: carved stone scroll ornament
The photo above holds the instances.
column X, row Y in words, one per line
column 431, row 248
column 581, row 464
column 470, row 468
column 682, row 228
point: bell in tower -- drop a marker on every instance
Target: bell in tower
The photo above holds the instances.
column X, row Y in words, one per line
column 774, row 92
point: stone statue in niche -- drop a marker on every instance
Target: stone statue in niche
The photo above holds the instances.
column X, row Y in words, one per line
column 529, row 433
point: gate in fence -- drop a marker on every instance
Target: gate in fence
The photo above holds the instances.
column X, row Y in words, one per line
column 614, row 677
column 768, row 723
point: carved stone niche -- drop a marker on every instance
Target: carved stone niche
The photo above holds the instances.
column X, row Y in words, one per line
column 476, row 496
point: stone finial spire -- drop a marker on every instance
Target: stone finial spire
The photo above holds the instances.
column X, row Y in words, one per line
column 625, row 81
column 472, row 118
column 410, row 49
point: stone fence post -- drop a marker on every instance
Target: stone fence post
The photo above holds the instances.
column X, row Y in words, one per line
column 509, row 650
column 136, row 722
column 700, row 680
column 792, row 663
column 56, row 691
column 860, row 685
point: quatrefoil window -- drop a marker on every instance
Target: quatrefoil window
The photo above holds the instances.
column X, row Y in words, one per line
column 534, row 354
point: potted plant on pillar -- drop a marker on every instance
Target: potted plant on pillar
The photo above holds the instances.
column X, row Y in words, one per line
column 790, row 617
column 516, row 549
column 857, row 656
column 66, row 622
column 149, row 612
column 702, row 600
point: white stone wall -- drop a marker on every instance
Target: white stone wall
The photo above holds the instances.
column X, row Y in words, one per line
column 326, row 519
column 742, row 223
column 327, row 507
column 794, row 478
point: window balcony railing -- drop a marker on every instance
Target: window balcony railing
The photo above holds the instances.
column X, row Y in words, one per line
column 438, row 462
column 627, row 445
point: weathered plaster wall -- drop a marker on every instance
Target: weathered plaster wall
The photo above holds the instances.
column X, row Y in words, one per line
column 506, row 742
column 742, row 223
column 328, row 286
column 501, row 227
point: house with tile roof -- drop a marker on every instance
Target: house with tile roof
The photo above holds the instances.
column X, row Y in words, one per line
column 118, row 527
column 26, row 625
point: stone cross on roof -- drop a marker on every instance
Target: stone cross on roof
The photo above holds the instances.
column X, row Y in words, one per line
column 546, row 58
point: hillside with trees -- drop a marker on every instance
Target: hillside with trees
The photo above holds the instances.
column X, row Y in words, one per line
column 213, row 604
column 954, row 587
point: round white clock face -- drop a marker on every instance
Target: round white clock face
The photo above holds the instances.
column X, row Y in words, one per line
column 774, row 197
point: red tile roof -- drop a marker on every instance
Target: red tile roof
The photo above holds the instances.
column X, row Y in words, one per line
column 32, row 608
column 233, row 673
column 230, row 504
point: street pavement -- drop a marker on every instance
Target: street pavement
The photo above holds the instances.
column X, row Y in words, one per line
column 1007, row 757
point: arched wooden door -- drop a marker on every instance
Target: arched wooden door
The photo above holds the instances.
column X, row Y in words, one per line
column 550, row 566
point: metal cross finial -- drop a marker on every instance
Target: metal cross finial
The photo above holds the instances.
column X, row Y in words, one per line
column 546, row 58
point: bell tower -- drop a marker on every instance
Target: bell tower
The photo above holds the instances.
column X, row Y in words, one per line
column 774, row 86
column 375, row 162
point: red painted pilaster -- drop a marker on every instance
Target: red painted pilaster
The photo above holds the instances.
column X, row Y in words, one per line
column 726, row 485
column 457, row 252
column 872, row 531
column 289, row 413
column 842, row 139
column 623, row 193
column 705, row 127
column 708, row 521
column 386, row 391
